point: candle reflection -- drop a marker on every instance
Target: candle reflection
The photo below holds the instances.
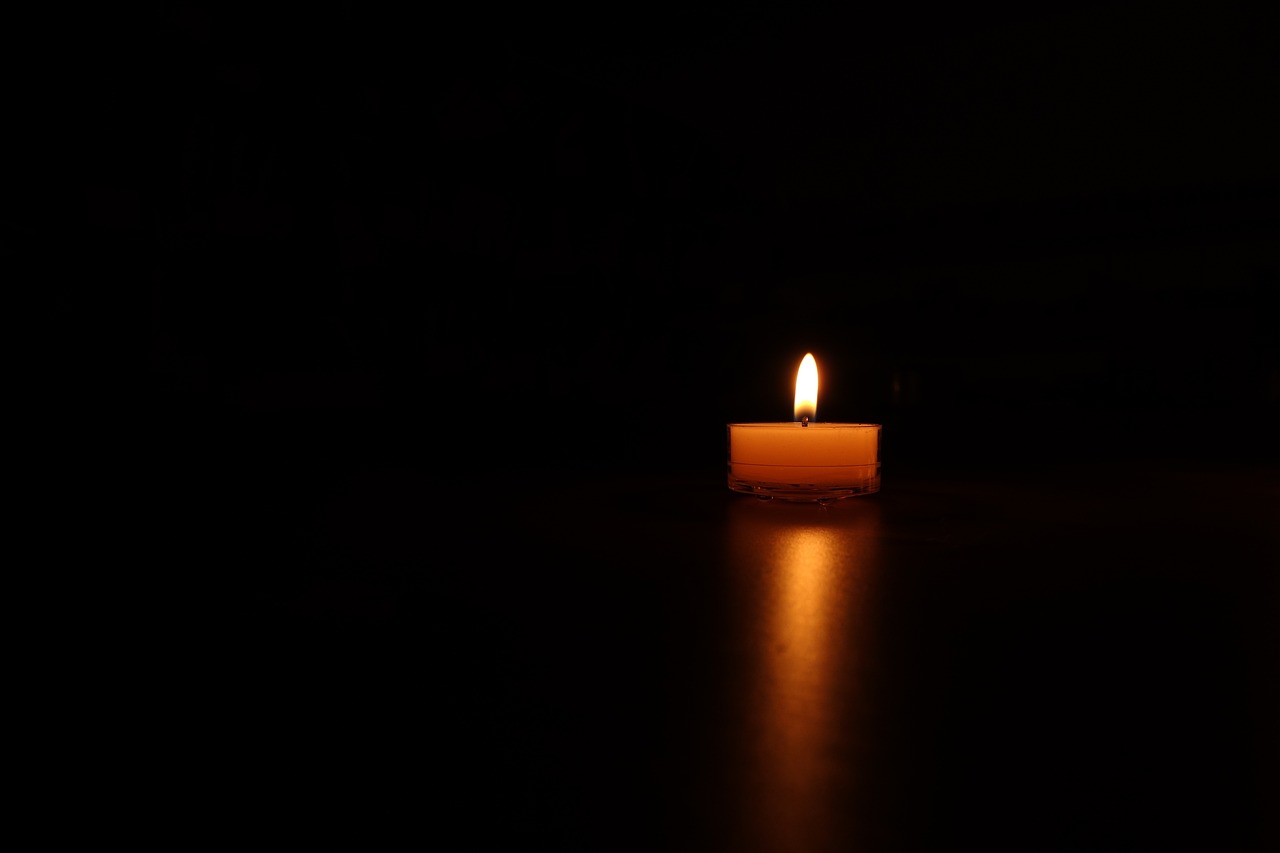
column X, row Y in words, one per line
column 805, row 699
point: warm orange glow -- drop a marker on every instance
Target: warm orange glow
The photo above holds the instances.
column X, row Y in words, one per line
column 807, row 389
column 810, row 700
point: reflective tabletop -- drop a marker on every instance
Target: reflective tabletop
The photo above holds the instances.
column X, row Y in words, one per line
column 1037, row 660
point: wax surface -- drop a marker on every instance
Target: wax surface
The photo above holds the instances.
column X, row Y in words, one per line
column 790, row 453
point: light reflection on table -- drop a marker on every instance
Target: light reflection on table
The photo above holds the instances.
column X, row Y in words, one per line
column 815, row 566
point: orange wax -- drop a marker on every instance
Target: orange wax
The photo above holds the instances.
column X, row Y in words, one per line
column 821, row 455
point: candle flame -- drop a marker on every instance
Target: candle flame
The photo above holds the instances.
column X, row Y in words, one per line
column 807, row 389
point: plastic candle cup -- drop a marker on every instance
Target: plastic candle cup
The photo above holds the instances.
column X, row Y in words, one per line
column 805, row 459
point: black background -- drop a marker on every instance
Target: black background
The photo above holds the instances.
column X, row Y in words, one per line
column 593, row 238
column 490, row 247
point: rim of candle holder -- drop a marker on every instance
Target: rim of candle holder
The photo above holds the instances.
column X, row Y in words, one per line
column 799, row 425
column 804, row 492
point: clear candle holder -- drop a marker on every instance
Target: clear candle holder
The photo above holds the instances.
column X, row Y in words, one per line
column 803, row 461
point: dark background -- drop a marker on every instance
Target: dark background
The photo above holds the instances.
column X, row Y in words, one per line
column 397, row 257
column 593, row 238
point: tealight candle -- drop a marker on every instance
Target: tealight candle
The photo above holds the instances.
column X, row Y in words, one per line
column 804, row 460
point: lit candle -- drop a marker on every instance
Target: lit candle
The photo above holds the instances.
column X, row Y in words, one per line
column 806, row 459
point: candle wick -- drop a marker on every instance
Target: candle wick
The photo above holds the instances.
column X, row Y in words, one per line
column 804, row 422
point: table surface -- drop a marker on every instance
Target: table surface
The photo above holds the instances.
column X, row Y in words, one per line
column 1061, row 659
